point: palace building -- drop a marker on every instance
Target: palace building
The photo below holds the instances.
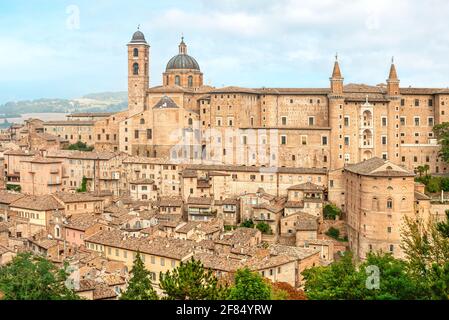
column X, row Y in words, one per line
column 280, row 127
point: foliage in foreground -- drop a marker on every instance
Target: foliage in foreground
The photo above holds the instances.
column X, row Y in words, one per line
column 34, row 278
column 422, row 275
column 139, row 286
column 249, row 286
column 191, row 281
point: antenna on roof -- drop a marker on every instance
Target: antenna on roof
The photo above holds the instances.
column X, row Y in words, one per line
column 336, row 56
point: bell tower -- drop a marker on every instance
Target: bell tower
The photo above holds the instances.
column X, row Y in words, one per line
column 138, row 72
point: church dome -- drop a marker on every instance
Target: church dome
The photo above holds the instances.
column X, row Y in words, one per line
column 138, row 37
column 182, row 60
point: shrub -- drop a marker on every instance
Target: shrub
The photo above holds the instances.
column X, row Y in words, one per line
column 331, row 212
column 434, row 185
column 248, row 224
column 80, row 146
column 264, row 228
column 333, row 233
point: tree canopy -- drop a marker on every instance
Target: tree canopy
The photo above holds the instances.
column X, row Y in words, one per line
column 442, row 134
column 191, row 281
column 34, row 278
column 139, row 286
column 249, row 286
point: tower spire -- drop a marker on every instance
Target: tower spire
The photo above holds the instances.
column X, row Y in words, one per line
column 182, row 46
column 393, row 74
column 393, row 80
column 336, row 74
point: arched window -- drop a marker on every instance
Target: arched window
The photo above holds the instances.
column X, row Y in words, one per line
column 390, row 204
column 136, row 69
column 190, row 122
column 178, row 80
column 136, row 52
column 190, row 81
column 142, row 121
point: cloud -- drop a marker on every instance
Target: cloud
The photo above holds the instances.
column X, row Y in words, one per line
column 249, row 43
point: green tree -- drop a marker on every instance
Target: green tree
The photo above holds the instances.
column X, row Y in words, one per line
column 442, row 134
column 248, row 224
column 445, row 184
column 395, row 282
column 339, row 281
column 333, row 233
column 34, row 278
column 434, row 185
column 426, row 168
column 426, row 248
column 344, row 280
column 249, row 286
column 264, row 228
column 80, row 146
column 191, row 281
column 443, row 227
column 140, row 286
column 83, row 187
column 420, row 170
column 331, row 212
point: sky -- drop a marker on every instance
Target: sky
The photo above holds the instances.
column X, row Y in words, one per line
column 65, row 49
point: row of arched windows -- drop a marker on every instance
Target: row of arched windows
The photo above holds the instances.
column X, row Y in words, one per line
column 189, row 81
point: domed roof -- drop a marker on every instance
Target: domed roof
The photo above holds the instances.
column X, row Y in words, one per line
column 183, row 60
column 138, row 37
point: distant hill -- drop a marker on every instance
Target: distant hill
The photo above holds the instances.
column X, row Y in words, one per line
column 94, row 102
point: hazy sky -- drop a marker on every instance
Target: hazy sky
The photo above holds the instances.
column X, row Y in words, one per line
column 44, row 52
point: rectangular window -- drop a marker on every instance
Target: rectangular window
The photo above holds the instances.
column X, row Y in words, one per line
column 311, row 121
column 402, row 102
column 346, row 140
column 284, row 121
column 430, row 121
column 324, row 141
column 304, row 140
column 384, row 121
column 136, row 134
column 416, row 119
column 149, row 134
column 430, row 102
column 416, row 102
column 384, row 140
column 283, row 140
column 346, row 121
